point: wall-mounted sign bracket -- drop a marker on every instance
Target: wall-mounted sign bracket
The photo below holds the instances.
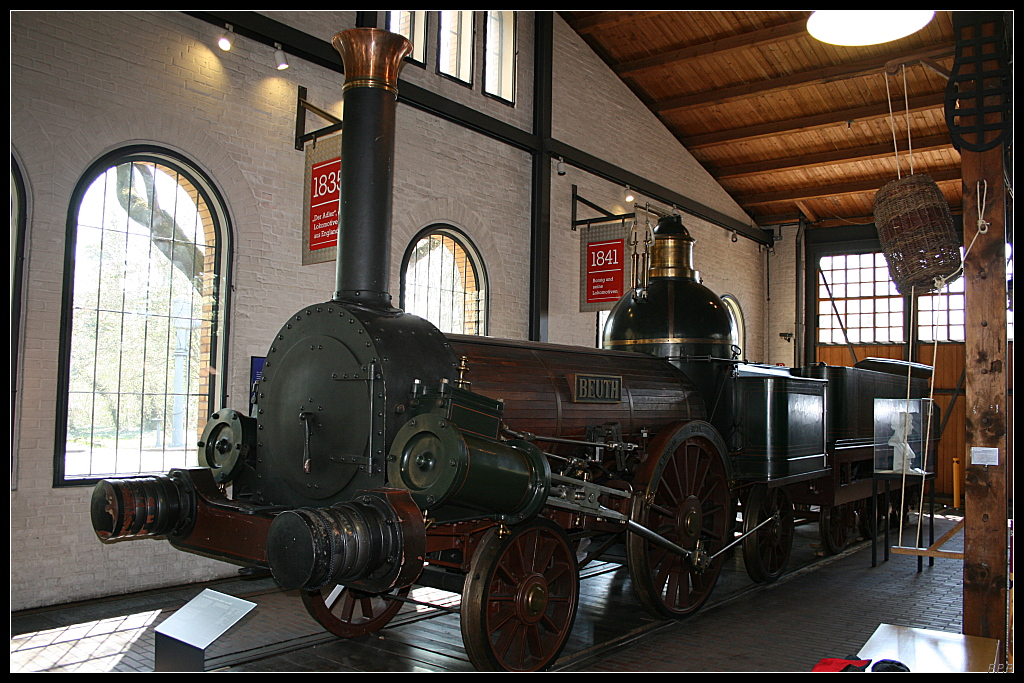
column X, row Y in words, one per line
column 605, row 217
column 302, row 106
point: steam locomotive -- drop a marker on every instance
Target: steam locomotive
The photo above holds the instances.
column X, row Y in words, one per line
column 382, row 453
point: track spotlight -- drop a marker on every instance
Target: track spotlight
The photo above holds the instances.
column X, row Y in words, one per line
column 627, row 194
column 227, row 38
column 279, row 58
column 561, row 167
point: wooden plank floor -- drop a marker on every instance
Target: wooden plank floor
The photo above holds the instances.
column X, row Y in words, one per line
column 424, row 640
column 611, row 632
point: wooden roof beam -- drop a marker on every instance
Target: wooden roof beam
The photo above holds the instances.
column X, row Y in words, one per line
column 603, row 19
column 802, row 193
column 773, row 34
column 924, row 102
column 829, row 158
column 797, row 80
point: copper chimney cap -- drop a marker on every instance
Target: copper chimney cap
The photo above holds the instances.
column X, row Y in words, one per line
column 372, row 57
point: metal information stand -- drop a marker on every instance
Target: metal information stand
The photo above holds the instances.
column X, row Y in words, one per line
column 182, row 638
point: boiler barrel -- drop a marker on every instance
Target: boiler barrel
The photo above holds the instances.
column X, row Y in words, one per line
column 559, row 391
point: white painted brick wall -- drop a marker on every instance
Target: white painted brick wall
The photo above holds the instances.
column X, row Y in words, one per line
column 596, row 113
column 86, row 83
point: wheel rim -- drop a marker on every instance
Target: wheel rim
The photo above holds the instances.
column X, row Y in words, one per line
column 832, row 524
column 350, row 613
column 686, row 500
column 519, row 601
column 766, row 551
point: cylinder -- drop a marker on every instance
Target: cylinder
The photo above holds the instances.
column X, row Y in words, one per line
column 372, row 59
column 137, row 507
column 374, row 542
column 441, row 465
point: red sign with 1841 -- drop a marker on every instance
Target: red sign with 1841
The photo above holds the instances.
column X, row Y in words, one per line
column 606, row 266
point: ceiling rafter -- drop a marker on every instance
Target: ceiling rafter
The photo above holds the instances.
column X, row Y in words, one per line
column 601, row 19
column 820, row 76
column 805, row 123
column 871, row 185
column 830, row 158
column 776, row 136
column 737, row 42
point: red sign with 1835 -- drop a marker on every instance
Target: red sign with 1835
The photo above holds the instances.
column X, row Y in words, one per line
column 323, row 204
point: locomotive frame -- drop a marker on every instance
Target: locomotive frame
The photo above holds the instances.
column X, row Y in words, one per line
column 383, row 453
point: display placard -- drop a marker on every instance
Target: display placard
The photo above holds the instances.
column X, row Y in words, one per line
column 605, row 265
column 320, row 201
column 606, row 271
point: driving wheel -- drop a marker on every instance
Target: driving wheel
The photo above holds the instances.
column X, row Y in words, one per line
column 766, row 551
column 684, row 498
column 349, row 613
column 520, row 597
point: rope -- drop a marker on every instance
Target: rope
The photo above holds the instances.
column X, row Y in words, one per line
column 906, row 426
column 892, row 123
column 982, row 190
column 940, row 284
column 906, row 106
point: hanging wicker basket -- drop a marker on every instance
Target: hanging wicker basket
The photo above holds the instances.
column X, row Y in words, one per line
column 916, row 230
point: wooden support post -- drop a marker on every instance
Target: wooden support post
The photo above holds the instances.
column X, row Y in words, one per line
column 985, row 495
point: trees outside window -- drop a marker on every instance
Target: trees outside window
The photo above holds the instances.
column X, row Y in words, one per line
column 144, row 306
column 443, row 281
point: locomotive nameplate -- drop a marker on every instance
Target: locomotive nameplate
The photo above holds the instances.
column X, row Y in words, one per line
column 595, row 388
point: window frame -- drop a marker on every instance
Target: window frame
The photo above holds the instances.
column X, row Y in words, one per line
column 475, row 259
column 470, row 45
column 19, row 228
column 418, row 37
column 737, row 321
column 217, row 390
column 507, row 55
column 848, row 240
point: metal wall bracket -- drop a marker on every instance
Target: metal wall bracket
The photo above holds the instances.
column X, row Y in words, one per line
column 606, row 216
column 301, row 107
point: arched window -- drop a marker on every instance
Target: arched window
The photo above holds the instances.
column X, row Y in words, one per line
column 736, row 321
column 144, row 308
column 443, row 280
column 18, row 223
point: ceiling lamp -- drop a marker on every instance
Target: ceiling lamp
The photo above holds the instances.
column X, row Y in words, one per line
column 627, row 194
column 866, row 27
column 279, row 58
column 227, row 38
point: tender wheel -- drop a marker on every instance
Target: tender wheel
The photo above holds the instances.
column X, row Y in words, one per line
column 766, row 551
column 833, row 523
column 685, row 498
column 349, row 613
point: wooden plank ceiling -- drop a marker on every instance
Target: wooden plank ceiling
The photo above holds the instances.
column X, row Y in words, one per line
column 788, row 125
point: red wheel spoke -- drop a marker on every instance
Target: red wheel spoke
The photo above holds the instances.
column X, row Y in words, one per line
column 520, row 598
column 336, row 611
column 686, row 472
column 348, row 606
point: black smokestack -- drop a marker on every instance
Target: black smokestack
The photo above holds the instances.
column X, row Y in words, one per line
column 372, row 59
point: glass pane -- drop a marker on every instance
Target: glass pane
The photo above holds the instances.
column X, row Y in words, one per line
column 443, row 284
column 143, row 313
